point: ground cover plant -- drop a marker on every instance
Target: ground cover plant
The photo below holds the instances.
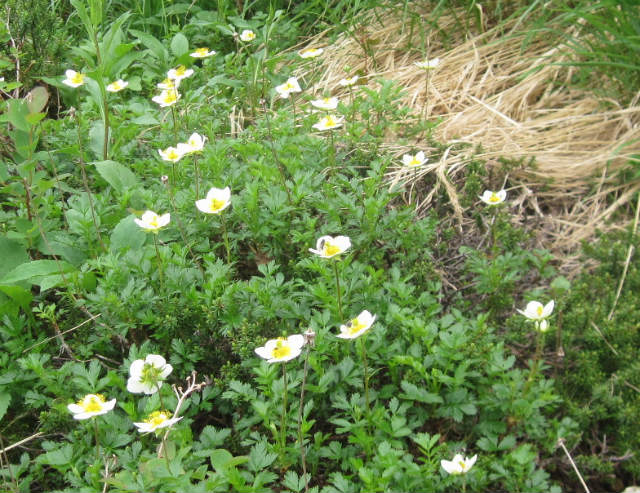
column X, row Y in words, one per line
column 209, row 285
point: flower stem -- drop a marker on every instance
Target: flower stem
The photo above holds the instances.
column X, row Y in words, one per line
column 335, row 269
column 166, row 453
column 535, row 364
column 332, row 151
column 226, row 238
column 283, row 421
column 293, row 104
column 195, row 165
column 303, row 457
column 160, row 266
column 95, row 431
column 366, row 379
column 275, row 154
column 175, row 131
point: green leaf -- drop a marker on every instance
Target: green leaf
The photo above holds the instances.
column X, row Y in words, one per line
column 34, row 269
column 127, row 235
column 414, row 393
column 58, row 457
column 117, row 175
column 37, row 99
column 179, row 44
column 156, row 48
column 19, row 295
column 12, row 254
column 5, row 399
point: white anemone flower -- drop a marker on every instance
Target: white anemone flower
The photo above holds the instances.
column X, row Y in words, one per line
column 73, row 79
column 281, row 349
column 311, row 52
column 217, row 200
column 156, row 421
column 171, row 154
column 358, row 326
column 417, row 160
column 326, row 104
column 169, row 84
column 428, row 64
column 493, row 198
column 166, row 98
column 194, row 144
column 150, row 221
column 179, row 73
column 247, row 35
column 202, row 53
column 459, row 464
column 536, row 311
column 348, row 81
column 329, row 122
column 328, row 246
column 285, row 89
column 117, row 86
column 146, row 375
column 91, row 405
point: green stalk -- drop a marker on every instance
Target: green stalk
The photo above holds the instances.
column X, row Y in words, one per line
column 366, row 379
column 175, row 129
column 335, row 269
column 536, row 361
column 303, row 457
column 226, row 238
column 166, row 453
column 195, row 165
column 95, row 431
column 160, row 266
column 332, row 152
column 283, row 421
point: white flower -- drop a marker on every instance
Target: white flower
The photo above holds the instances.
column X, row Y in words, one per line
column 247, row 35
column 150, row 221
column 310, row 52
column 328, row 247
column 73, row 78
column 169, row 84
column 91, row 405
column 194, row 144
column 117, row 85
column 329, row 122
column 417, row 160
column 325, row 103
column 166, row 98
column 156, row 421
column 171, row 154
column 281, row 349
column 217, row 200
column 358, row 326
column 146, row 375
column 179, row 73
column 536, row 311
column 202, row 53
column 285, row 89
column 428, row 64
column 459, row 464
column 349, row 81
column 493, row 198
column 542, row 325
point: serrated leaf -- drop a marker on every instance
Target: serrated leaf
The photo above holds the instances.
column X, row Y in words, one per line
column 116, row 175
column 5, row 399
column 413, row 393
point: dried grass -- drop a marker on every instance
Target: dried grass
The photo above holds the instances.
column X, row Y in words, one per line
column 516, row 104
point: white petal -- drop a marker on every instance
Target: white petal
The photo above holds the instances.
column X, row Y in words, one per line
column 155, row 360
column 296, row 341
column 135, row 370
column 548, row 309
column 75, row 409
column 263, row 352
column 135, row 386
column 167, row 371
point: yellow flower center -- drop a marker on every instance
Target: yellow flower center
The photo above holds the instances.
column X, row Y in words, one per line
column 168, row 83
column 355, row 326
column 281, row 350
column 180, row 70
column 171, row 97
column 462, row 465
column 78, row 78
column 202, row 51
column 330, row 122
column 172, row 154
column 154, row 222
column 539, row 310
column 216, row 205
column 156, row 418
column 414, row 161
column 330, row 250
column 494, row 198
column 93, row 404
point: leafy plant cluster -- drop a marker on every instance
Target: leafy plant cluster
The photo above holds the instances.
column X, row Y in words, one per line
column 85, row 291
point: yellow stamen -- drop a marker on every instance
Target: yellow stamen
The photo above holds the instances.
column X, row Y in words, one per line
column 355, row 326
column 215, row 205
column 281, row 350
column 180, row 70
column 78, row 78
column 94, row 404
column 494, row 197
column 156, row 418
column 330, row 250
column 539, row 311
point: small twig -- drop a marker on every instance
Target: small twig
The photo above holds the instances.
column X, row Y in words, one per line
column 575, row 468
column 60, row 334
column 631, row 386
column 627, row 261
column 21, row 442
column 113, row 459
column 604, row 339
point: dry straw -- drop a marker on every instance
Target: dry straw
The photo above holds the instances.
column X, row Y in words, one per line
column 511, row 96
